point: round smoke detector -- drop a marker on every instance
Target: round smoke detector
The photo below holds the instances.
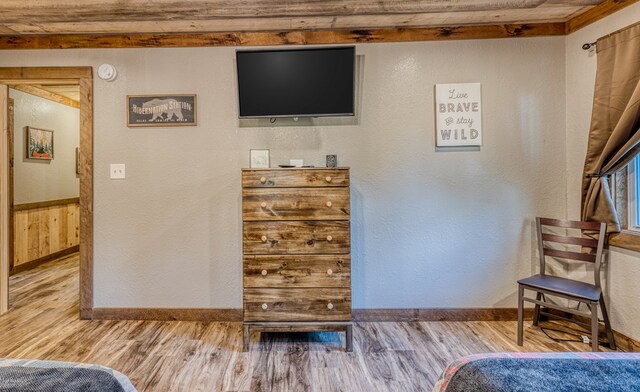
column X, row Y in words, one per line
column 107, row 72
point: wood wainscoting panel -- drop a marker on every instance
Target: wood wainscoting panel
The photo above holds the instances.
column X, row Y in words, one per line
column 47, row 229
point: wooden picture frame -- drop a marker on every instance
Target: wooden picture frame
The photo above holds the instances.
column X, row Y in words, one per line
column 39, row 143
column 170, row 110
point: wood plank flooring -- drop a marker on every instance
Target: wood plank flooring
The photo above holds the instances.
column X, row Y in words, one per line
column 194, row 356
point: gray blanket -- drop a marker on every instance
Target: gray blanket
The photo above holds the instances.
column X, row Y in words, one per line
column 542, row 375
column 32, row 379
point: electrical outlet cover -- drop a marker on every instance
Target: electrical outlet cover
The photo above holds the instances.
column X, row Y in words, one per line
column 117, row 171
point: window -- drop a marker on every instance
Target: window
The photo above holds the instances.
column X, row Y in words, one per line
column 626, row 192
column 633, row 192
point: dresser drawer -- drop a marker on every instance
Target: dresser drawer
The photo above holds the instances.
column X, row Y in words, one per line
column 296, row 237
column 290, row 178
column 297, row 271
column 295, row 204
column 317, row 304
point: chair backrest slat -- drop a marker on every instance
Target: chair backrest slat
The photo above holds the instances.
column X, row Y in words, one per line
column 590, row 242
column 567, row 254
column 570, row 224
column 595, row 244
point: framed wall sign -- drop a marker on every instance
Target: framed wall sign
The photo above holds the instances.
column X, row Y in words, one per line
column 332, row 161
column 259, row 159
column 39, row 143
column 458, row 115
column 161, row 110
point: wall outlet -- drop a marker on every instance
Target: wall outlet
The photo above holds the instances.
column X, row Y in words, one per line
column 117, row 171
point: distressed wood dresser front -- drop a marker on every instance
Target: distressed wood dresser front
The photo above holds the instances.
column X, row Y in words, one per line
column 297, row 251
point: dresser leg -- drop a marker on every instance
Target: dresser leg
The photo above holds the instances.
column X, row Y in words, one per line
column 349, row 338
column 245, row 338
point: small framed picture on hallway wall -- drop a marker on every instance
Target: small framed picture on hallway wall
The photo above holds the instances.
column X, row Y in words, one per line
column 39, row 143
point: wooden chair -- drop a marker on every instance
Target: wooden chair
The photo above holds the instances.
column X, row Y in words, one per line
column 543, row 284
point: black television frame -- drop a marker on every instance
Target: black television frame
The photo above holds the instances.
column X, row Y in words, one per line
column 353, row 104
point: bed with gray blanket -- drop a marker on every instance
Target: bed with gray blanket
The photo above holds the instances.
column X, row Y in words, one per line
column 21, row 375
column 543, row 372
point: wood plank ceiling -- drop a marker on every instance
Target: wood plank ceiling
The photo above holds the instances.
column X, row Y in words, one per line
column 55, row 17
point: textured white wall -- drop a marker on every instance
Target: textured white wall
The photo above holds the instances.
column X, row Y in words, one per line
column 430, row 229
column 623, row 271
column 40, row 180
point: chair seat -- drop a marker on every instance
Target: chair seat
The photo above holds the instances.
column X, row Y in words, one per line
column 563, row 286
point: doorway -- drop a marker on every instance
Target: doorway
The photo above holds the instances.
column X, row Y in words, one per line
column 42, row 78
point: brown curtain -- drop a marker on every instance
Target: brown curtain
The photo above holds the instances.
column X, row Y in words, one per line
column 614, row 139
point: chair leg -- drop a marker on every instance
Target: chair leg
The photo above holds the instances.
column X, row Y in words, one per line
column 536, row 310
column 594, row 326
column 520, row 313
column 607, row 324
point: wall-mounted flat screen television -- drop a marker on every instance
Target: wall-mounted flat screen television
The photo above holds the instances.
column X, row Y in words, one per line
column 296, row 82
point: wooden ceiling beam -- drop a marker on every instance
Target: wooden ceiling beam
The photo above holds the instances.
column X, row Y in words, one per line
column 70, row 41
column 19, row 11
column 312, row 34
column 351, row 22
column 596, row 13
column 38, row 92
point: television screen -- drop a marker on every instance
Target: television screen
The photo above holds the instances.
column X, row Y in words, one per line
column 296, row 82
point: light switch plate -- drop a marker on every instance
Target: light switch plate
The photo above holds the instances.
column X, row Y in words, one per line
column 117, row 171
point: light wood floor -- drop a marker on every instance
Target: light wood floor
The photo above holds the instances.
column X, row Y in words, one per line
column 192, row 356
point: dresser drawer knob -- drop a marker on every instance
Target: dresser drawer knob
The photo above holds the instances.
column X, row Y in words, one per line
column 329, row 204
column 265, row 306
column 328, row 178
column 330, row 306
column 264, row 272
column 263, row 205
column 329, row 238
column 263, row 179
column 329, row 272
column 264, row 238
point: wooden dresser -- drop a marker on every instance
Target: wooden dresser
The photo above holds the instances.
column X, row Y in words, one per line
column 297, row 246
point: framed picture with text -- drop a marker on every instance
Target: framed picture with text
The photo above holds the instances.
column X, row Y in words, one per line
column 458, row 115
column 161, row 110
